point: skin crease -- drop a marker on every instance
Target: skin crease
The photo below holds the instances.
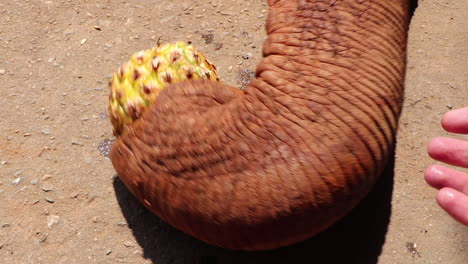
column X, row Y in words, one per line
column 293, row 153
column 452, row 184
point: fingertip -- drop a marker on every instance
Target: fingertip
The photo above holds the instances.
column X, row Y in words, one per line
column 432, row 175
column 435, row 147
column 454, row 203
column 456, row 120
column 446, row 197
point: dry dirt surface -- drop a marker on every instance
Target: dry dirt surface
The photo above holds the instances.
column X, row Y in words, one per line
column 60, row 200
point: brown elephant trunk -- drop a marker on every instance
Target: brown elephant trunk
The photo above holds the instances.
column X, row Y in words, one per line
column 297, row 150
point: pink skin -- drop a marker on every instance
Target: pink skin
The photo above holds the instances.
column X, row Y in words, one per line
column 452, row 184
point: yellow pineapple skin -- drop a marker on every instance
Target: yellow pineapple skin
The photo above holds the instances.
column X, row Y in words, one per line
column 135, row 86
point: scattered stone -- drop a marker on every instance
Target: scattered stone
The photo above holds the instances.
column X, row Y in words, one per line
column 245, row 34
column 6, row 225
column 24, row 188
column 2, row 71
column 83, row 41
column 104, row 147
column 166, row 19
column 45, row 131
column 97, row 27
column 108, row 252
column 42, row 237
column 47, row 187
column 84, row 118
column 52, row 220
column 247, row 56
column 49, row 200
column 128, row 244
column 208, row 38
column 16, row 181
column 411, row 247
column 245, row 76
column 449, row 106
column 74, row 141
column 35, row 201
column 46, row 177
column 103, row 115
column 27, row 134
column 88, row 160
column 218, row 45
column 34, row 181
column 74, row 194
column 121, row 224
column 3, row 162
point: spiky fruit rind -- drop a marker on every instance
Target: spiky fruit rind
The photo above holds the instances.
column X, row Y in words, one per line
column 138, row 82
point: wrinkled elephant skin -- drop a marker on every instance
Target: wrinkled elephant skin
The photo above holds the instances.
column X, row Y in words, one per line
column 296, row 150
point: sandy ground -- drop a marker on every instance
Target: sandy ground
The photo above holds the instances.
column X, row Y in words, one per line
column 60, row 200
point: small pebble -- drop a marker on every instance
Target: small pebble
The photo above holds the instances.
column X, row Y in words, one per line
column 49, row 200
column 34, row 181
column 105, row 146
column 47, row 187
column 108, row 252
column 52, row 220
column 247, row 56
column 74, row 141
column 6, row 225
column 88, row 160
column 46, row 177
column 45, row 131
column 128, row 244
column 74, row 194
column 2, row 71
column 42, row 236
column 16, row 181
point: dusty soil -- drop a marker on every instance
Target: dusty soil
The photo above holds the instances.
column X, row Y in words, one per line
column 60, row 200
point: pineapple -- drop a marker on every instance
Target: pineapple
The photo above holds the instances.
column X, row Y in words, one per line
column 137, row 83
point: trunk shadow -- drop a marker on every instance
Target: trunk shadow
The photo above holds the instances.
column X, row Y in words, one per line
column 357, row 238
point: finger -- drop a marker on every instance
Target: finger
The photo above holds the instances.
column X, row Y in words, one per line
column 456, row 121
column 454, row 203
column 449, row 150
column 439, row 177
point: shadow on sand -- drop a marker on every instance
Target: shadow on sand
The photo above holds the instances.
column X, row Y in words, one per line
column 357, row 238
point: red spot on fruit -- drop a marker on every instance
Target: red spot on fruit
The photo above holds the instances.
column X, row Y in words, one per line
column 146, row 89
column 136, row 75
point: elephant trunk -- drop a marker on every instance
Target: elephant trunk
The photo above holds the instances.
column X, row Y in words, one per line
column 294, row 152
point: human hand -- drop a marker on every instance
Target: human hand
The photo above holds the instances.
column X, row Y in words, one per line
column 452, row 184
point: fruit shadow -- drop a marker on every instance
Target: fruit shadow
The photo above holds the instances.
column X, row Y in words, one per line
column 357, row 238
